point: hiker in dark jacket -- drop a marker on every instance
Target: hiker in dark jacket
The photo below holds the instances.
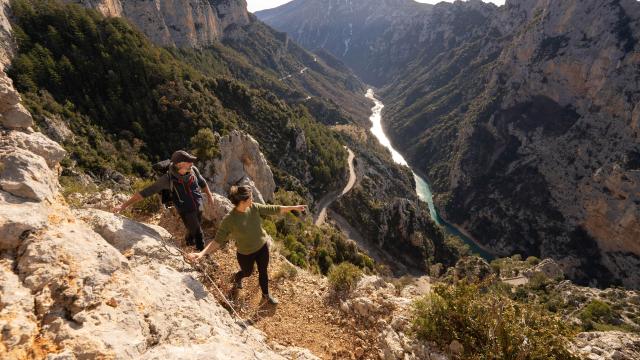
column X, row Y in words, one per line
column 185, row 182
column 244, row 225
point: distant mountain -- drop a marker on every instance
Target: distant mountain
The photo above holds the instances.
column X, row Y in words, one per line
column 523, row 117
column 242, row 47
column 361, row 33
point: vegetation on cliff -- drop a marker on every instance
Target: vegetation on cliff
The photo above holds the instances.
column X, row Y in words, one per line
column 130, row 103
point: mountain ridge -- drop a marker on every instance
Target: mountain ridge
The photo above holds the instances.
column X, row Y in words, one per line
column 475, row 90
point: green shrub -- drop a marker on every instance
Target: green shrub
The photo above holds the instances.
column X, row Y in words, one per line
column 344, row 277
column 205, row 144
column 597, row 311
column 286, row 271
column 489, row 325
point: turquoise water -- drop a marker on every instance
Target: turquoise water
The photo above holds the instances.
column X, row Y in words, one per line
column 424, row 193
column 422, row 187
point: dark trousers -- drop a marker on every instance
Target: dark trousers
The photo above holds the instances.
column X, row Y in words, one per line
column 246, row 267
column 192, row 221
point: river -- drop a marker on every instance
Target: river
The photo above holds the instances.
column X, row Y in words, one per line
column 422, row 187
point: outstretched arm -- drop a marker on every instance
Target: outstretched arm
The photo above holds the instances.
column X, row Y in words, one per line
column 221, row 238
column 286, row 209
column 156, row 187
column 132, row 200
column 211, row 247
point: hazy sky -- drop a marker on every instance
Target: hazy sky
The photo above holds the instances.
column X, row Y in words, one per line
column 255, row 5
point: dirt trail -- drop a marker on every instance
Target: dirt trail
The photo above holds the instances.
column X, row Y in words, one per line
column 308, row 314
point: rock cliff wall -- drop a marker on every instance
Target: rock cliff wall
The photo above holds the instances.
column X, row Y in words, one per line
column 181, row 23
column 528, row 113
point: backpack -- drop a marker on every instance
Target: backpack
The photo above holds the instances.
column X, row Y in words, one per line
column 162, row 168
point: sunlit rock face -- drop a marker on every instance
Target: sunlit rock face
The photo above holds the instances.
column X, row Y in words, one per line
column 181, row 23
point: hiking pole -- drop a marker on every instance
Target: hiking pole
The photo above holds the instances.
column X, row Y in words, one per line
column 198, row 267
column 244, row 325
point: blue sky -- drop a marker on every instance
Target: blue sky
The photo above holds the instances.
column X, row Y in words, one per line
column 255, row 5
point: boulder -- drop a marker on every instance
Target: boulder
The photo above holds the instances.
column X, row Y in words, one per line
column 215, row 212
column 37, row 143
column 18, row 218
column 548, row 267
column 16, row 117
column 391, row 346
column 103, row 200
column 25, row 174
column 139, row 241
column 240, row 158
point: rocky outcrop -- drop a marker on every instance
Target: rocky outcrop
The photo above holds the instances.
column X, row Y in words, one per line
column 182, row 23
column 12, row 114
column 240, row 162
column 7, row 44
column 92, row 284
column 37, row 143
column 610, row 345
column 25, row 174
column 380, row 305
column 548, row 268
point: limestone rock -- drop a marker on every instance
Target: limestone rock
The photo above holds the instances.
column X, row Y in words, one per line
column 25, row 174
column 298, row 353
column 548, row 267
column 103, row 200
column 181, row 23
column 57, row 129
column 216, row 212
column 9, row 96
column 7, row 43
column 18, row 218
column 96, row 303
column 472, row 268
column 610, row 345
column 37, row 143
column 16, row 117
column 17, row 314
column 140, row 241
column 391, row 346
column 240, row 158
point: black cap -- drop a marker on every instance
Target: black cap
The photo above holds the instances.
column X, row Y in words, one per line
column 182, row 156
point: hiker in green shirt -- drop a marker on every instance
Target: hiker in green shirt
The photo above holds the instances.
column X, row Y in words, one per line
column 244, row 224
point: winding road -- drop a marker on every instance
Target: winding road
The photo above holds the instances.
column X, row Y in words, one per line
column 341, row 223
column 321, row 216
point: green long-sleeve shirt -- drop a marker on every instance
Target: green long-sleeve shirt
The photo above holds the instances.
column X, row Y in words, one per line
column 246, row 228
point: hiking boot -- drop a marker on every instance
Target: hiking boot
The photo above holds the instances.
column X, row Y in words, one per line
column 269, row 299
column 189, row 241
column 237, row 281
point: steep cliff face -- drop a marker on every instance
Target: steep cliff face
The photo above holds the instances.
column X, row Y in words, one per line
column 542, row 141
column 529, row 116
column 6, row 42
column 181, row 23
